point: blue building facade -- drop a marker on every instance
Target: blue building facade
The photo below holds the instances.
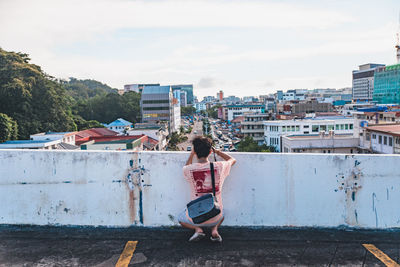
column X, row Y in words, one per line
column 387, row 85
column 188, row 88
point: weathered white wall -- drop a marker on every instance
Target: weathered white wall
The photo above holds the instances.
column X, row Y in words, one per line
column 147, row 188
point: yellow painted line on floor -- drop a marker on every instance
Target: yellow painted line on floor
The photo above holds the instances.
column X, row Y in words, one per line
column 381, row 256
column 127, row 254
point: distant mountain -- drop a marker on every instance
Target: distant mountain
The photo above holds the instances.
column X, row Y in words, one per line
column 85, row 89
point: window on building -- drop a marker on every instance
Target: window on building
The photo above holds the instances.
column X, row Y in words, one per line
column 380, row 139
column 297, row 128
column 315, row 128
column 323, row 128
column 337, row 126
column 324, row 151
column 351, row 151
column 331, row 127
column 385, row 140
column 346, row 126
column 306, row 126
column 156, row 101
column 390, row 141
column 156, row 108
column 351, row 126
column 374, row 136
column 329, row 151
column 283, row 128
column 306, row 132
column 341, row 126
column 293, row 128
column 367, row 136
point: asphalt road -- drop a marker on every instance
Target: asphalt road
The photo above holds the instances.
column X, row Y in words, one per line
column 198, row 126
column 102, row 247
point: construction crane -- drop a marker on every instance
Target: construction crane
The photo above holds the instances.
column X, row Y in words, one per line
column 398, row 43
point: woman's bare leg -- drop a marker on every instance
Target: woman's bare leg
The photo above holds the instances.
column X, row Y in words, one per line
column 214, row 230
column 189, row 226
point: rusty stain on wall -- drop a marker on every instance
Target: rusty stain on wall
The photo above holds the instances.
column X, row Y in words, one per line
column 134, row 181
column 350, row 182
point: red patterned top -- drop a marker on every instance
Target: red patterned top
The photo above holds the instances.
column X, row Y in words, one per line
column 199, row 177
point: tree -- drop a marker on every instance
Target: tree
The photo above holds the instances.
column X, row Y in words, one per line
column 8, row 128
column 83, row 124
column 188, row 111
column 32, row 98
column 249, row 145
column 213, row 111
column 85, row 89
column 38, row 102
column 206, row 127
column 109, row 107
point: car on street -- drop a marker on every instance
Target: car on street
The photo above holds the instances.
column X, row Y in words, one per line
column 189, row 148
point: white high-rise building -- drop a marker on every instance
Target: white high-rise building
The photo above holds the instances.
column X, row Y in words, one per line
column 363, row 82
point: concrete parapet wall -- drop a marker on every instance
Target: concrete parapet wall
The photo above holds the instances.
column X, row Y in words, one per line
column 148, row 189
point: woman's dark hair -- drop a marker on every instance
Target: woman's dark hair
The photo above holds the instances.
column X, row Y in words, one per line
column 202, row 146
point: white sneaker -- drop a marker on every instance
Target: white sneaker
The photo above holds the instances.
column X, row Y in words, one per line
column 197, row 236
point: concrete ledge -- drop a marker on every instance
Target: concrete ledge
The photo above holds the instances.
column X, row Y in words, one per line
column 120, row 189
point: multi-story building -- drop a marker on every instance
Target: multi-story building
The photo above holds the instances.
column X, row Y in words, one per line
column 155, row 131
column 220, row 95
column 363, row 82
column 295, row 94
column 253, row 125
column 199, row 106
column 232, row 99
column 311, row 107
column 234, row 111
column 320, row 143
column 387, row 85
column 158, row 104
column 249, row 99
column 138, row 88
column 188, row 88
column 274, row 130
column 279, row 95
column 382, row 139
column 181, row 96
column 209, row 99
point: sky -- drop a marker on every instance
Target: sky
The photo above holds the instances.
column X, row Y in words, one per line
column 244, row 48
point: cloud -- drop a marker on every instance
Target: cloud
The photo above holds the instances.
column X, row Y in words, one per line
column 206, row 82
column 301, row 32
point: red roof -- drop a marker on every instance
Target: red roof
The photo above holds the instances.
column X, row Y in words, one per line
column 392, row 129
column 115, row 138
column 86, row 135
column 152, row 141
column 238, row 119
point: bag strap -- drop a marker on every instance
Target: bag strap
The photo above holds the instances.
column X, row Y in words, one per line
column 212, row 177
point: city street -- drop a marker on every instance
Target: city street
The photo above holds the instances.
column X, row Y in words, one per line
column 197, row 127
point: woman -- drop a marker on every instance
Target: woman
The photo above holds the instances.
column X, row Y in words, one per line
column 199, row 176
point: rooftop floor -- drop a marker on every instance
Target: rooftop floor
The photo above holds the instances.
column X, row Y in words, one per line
column 101, row 247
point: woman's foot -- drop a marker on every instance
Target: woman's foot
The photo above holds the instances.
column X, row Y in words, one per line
column 197, row 236
column 215, row 237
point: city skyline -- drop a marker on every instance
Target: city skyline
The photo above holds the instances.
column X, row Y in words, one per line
column 252, row 48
